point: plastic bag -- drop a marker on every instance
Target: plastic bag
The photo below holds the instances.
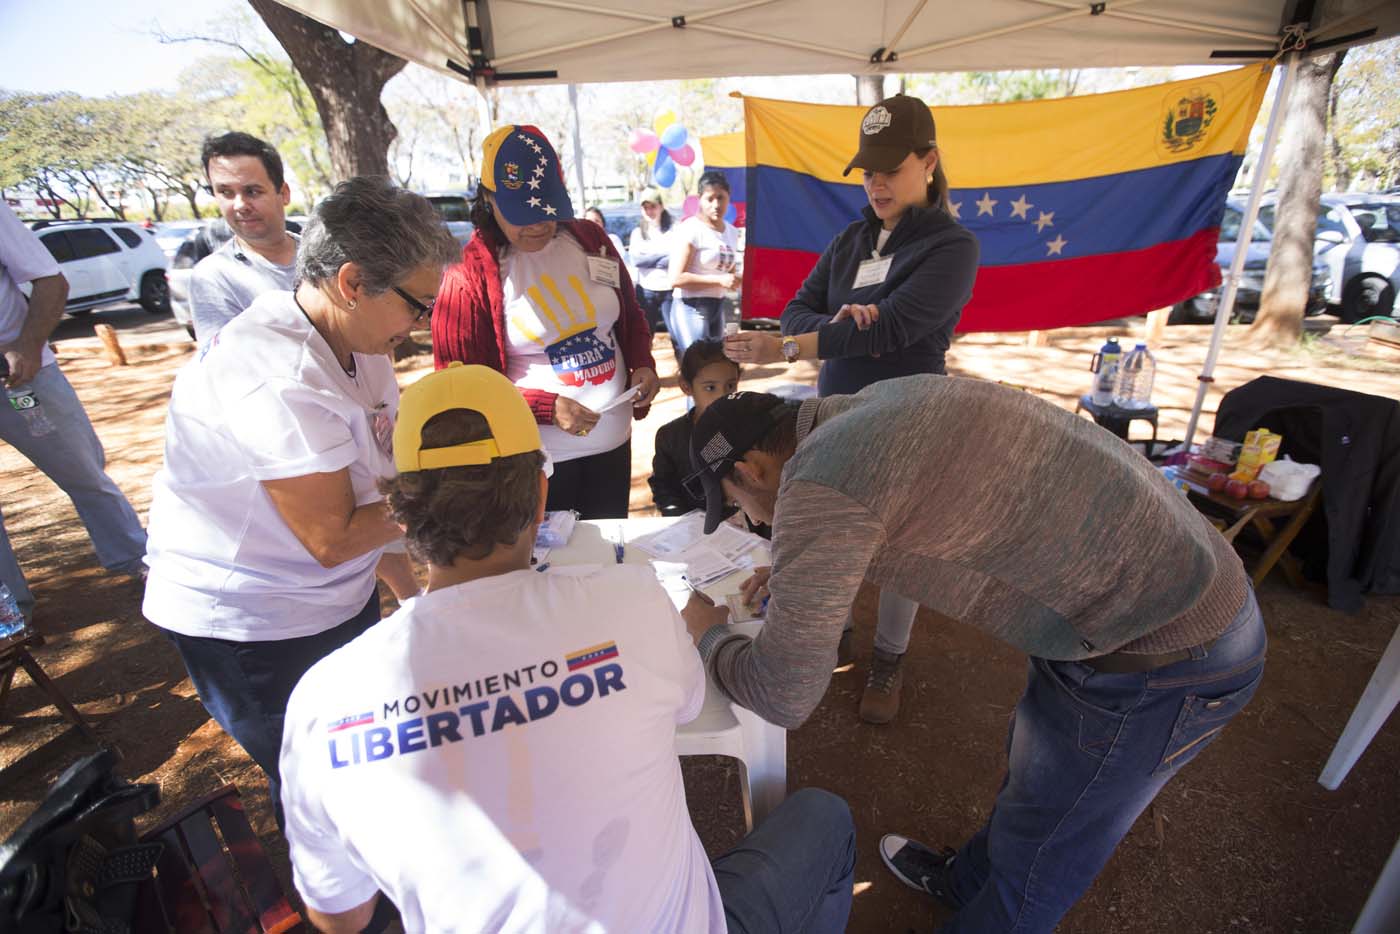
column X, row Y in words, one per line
column 1287, row 479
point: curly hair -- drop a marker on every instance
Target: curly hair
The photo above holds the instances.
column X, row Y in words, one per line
column 464, row 512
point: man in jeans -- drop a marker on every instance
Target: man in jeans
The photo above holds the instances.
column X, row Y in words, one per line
column 1035, row 526
column 500, row 753
column 56, row 435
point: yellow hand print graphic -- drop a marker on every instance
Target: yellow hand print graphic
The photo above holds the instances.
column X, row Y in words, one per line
column 569, row 337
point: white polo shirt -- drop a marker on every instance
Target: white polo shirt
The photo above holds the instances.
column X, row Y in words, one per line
column 265, row 400
column 22, row 259
column 536, row 708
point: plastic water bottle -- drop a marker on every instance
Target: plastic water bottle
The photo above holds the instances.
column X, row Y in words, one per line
column 1104, row 366
column 1133, row 389
column 11, row 619
column 26, row 402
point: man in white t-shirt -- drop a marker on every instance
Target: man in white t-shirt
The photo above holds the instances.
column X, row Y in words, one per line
column 499, row 755
column 246, row 178
column 42, row 417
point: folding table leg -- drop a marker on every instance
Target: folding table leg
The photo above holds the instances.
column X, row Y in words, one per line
column 1280, row 541
column 46, row 684
column 765, row 754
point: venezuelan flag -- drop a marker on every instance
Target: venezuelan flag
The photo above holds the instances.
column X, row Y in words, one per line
column 1086, row 208
column 725, row 153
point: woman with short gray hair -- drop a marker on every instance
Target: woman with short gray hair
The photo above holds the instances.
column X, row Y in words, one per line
column 267, row 529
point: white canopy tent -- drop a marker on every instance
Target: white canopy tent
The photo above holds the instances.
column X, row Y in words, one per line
column 552, row 41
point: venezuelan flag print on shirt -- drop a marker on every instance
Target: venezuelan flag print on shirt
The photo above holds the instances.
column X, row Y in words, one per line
column 725, row 153
column 1086, row 208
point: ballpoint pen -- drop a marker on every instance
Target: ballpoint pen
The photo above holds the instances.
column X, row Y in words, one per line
column 618, row 550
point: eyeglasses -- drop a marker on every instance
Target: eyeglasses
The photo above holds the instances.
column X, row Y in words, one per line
column 422, row 310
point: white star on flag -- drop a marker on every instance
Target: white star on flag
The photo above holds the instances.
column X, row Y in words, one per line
column 533, row 202
column 543, row 161
column 551, row 210
column 534, row 184
column 1020, row 206
column 955, row 207
column 522, row 136
column 985, row 205
column 537, row 148
column 539, row 170
column 1054, row 247
column 1046, row 219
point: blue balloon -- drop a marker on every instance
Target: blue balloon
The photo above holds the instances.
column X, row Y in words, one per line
column 664, row 175
column 674, row 136
column 663, row 157
column 731, row 212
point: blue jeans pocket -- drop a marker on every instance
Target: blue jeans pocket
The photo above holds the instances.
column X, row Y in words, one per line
column 1200, row 721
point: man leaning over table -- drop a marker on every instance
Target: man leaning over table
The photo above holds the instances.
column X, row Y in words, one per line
column 1035, row 526
column 500, row 753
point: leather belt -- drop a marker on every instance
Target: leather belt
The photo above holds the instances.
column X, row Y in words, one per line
column 1127, row 663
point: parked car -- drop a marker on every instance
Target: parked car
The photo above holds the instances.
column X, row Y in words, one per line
column 197, row 244
column 107, row 262
column 1201, row 308
column 1358, row 237
column 170, row 234
column 454, row 207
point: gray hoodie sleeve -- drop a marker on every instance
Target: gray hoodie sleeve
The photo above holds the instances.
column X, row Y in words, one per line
column 822, row 544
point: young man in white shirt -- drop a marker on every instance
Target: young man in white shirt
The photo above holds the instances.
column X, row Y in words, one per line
column 245, row 176
column 42, row 417
column 499, row 755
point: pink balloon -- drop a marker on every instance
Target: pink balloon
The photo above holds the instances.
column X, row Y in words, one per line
column 691, row 206
column 642, row 141
column 683, row 156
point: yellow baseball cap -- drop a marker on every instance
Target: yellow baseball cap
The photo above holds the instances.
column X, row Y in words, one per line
column 480, row 388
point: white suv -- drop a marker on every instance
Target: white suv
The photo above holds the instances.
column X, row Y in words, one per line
column 107, row 262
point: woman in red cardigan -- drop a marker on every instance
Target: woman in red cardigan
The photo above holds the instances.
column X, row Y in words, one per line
column 546, row 300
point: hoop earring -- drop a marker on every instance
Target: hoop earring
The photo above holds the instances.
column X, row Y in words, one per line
column 351, row 304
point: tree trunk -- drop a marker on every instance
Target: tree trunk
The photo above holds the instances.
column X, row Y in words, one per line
column 1341, row 169
column 1287, row 279
column 345, row 79
column 870, row 89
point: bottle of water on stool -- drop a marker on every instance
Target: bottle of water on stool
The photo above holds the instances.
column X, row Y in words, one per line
column 1133, row 389
column 11, row 619
column 1105, row 369
column 26, row 402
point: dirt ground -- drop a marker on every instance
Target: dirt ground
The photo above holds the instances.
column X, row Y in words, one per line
column 1244, row 840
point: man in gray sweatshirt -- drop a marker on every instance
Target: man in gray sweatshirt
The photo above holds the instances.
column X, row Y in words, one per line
column 1038, row 527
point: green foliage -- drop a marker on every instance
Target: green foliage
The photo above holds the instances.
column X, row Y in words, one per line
column 1365, row 119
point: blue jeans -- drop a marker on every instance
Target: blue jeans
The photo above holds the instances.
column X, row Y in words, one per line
column 72, row 457
column 245, row 686
column 1087, row 753
column 691, row 319
column 794, row 872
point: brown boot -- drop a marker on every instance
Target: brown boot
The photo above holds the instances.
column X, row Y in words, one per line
column 880, row 702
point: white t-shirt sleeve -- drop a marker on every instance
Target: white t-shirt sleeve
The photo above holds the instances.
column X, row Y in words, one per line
column 690, row 668
column 288, row 430
column 321, row 869
column 21, row 253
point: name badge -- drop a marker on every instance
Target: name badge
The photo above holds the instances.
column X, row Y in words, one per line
column 604, row 271
column 872, row 272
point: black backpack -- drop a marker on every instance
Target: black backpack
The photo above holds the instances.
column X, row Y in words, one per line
column 75, row 864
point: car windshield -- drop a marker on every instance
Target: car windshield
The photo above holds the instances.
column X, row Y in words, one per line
column 1230, row 227
column 1380, row 223
column 452, row 209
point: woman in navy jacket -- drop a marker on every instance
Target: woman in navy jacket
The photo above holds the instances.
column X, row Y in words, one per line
column 881, row 303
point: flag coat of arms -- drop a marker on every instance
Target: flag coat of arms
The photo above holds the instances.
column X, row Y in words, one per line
column 1085, row 208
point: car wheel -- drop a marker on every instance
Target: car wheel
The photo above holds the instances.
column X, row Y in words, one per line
column 1180, row 313
column 155, row 293
column 1367, row 297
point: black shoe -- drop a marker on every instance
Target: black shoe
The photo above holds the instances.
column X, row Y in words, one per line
column 920, row 868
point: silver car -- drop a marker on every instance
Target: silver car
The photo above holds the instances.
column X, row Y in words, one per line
column 1358, row 239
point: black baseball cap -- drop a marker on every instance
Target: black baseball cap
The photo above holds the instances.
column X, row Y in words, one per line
column 721, row 437
column 890, row 131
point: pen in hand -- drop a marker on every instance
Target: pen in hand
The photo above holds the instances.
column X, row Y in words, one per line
column 696, row 590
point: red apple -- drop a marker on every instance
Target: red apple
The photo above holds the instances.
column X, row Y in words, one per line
column 1258, row 489
column 1216, row 482
column 1237, row 488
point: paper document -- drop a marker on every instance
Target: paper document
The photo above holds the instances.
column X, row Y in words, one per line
column 705, row 558
column 739, row 611
column 627, row 396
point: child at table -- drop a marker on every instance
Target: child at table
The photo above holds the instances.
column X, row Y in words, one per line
column 706, row 375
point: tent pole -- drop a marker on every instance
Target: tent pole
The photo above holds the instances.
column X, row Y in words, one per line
column 1226, row 306
column 578, row 149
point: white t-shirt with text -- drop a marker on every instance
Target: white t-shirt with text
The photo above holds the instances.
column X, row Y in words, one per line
column 22, row 259
column 528, row 709
column 266, row 399
column 711, row 252
column 561, row 337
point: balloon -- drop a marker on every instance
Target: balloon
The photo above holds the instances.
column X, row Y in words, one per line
column 642, row 141
column 651, row 157
column 731, row 213
column 673, row 137
column 663, row 157
column 665, row 175
column 691, row 207
column 683, row 156
column 664, row 118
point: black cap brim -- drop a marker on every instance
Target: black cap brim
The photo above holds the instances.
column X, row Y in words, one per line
column 714, row 502
column 877, row 159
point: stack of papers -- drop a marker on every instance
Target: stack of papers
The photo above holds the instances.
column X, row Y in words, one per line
column 705, row 558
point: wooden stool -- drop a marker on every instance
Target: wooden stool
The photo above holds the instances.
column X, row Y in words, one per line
column 1232, row 515
column 14, row 654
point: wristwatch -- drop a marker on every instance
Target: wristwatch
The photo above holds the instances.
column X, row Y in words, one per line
column 791, row 350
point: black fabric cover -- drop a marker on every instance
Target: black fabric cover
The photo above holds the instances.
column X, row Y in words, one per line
column 1354, row 540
